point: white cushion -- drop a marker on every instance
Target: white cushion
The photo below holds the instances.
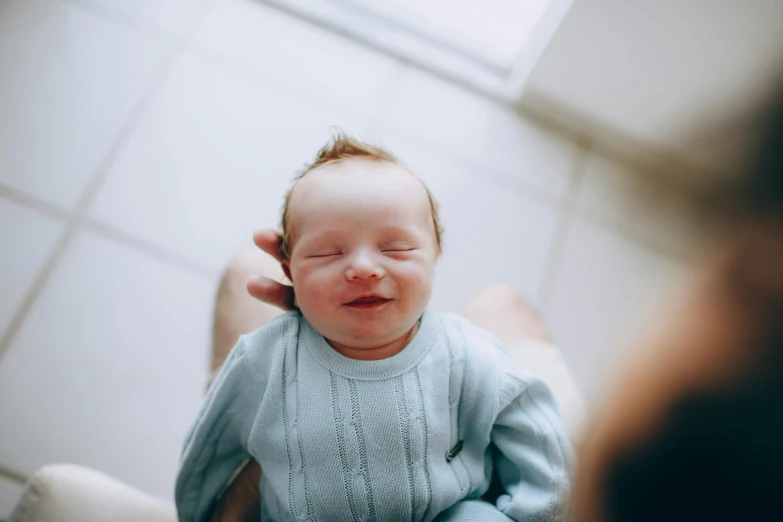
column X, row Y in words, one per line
column 69, row 493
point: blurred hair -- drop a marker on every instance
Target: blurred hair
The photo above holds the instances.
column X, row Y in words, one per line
column 719, row 453
column 343, row 147
column 763, row 194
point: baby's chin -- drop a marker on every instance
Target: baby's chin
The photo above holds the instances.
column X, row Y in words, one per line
column 366, row 342
column 369, row 340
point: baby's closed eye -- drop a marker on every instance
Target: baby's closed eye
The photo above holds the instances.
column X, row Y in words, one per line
column 398, row 247
column 326, row 253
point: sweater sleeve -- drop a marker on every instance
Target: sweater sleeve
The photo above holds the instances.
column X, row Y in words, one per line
column 217, row 443
column 472, row 510
column 532, row 453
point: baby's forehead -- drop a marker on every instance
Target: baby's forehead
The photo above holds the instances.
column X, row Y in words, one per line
column 358, row 184
column 360, row 177
column 361, row 170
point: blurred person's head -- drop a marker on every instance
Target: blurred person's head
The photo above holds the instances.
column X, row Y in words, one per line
column 361, row 237
column 693, row 430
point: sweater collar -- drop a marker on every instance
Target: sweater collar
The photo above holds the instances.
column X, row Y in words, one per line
column 398, row 364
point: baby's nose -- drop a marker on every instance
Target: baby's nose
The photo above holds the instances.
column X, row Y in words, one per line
column 364, row 266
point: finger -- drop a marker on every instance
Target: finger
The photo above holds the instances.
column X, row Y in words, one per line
column 268, row 240
column 271, row 292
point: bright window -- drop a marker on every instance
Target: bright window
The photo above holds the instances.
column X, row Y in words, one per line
column 489, row 44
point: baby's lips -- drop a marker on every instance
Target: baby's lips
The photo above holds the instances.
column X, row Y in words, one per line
column 368, row 299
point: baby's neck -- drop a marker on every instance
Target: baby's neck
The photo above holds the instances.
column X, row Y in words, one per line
column 378, row 352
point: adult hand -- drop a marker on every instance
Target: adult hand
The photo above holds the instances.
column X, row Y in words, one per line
column 262, row 287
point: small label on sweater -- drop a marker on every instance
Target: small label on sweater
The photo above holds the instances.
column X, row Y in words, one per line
column 454, row 451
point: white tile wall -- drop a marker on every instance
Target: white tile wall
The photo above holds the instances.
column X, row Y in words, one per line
column 108, row 369
column 69, row 82
column 471, row 127
column 27, row 238
column 299, row 56
column 173, row 16
column 211, row 160
column 605, row 288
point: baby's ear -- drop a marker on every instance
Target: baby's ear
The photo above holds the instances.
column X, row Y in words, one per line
column 286, row 264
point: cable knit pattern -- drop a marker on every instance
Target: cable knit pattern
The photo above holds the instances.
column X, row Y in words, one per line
column 412, row 437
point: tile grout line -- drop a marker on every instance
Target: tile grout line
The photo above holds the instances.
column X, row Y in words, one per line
column 522, row 188
column 106, row 230
column 169, row 257
column 12, row 474
column 33, row 203
column 94, row 184
column 566, row 214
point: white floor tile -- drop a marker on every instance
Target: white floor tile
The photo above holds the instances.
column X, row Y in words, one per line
column 69, row 82
column 643, row 208
column 457, row 120
column 108, row 369
column 296, row 54
column 604, row 289
column 10, row 492
column 27, row 237
column 211, row 161
column 172, row 16
column 492, row 234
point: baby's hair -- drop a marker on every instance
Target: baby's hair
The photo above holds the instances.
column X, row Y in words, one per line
column 339, row 148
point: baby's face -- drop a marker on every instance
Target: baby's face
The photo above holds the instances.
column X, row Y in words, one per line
column 363, row 251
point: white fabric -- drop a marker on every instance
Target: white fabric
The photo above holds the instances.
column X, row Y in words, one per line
column 69, row 493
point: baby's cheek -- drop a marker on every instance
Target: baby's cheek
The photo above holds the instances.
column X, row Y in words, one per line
column 415, row 276
column 313, row 287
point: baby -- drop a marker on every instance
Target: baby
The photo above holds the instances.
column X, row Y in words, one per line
column 363, row 405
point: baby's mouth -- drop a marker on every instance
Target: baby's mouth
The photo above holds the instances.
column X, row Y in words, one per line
column 369, row 301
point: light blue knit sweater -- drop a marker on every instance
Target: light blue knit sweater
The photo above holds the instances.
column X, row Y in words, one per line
column 413, row 437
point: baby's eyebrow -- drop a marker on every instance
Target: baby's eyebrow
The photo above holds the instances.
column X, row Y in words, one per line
column 331, row 234
column 320, row 238
column 407, row 230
